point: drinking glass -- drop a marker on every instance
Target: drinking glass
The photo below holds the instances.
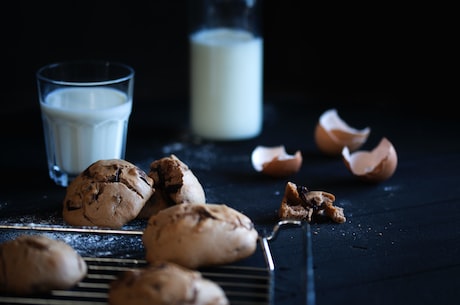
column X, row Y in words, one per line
column 85, row 109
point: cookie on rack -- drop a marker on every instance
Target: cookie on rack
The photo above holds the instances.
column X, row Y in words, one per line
column 109, row 193
column 196, row 235
column 164, row 283
column 38, row 264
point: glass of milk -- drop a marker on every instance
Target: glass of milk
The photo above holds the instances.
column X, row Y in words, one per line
column 226, row 67
column 85, row 107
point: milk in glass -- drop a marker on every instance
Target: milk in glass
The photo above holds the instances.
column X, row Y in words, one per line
column 83, row 125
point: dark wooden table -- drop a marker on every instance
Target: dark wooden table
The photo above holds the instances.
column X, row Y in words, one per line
column 399, row 245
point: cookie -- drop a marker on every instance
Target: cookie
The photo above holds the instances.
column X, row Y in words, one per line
column 164, row 283
column 195, row 235
column 109, row 193
column 174, row 184
column 299, row 203
column 38, row 264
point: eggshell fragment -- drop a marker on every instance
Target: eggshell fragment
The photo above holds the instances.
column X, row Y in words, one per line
column 373, row 166
column 275, row 161
column 332, row 134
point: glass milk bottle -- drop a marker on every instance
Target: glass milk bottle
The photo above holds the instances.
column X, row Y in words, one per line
column 226, row 68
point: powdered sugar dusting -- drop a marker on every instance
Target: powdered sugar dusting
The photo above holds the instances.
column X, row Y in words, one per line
column 200, row 157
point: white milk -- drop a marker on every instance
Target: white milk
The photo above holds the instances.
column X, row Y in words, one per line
column 84, row 125
column 226, row 84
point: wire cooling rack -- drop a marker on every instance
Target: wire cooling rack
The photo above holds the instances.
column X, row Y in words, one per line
column 109, row 252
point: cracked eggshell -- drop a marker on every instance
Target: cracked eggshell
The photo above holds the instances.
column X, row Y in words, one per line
column 332, row 134
column 275, row 161
column 372, row 166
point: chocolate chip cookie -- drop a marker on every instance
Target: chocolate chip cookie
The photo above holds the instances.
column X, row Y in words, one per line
column 195, row 235
column 38, row 264
column 165, row 283
column 109, row 193
column 175, row 183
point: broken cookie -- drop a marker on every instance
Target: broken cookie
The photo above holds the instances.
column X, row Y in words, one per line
column 301, row 204
column 174, row 183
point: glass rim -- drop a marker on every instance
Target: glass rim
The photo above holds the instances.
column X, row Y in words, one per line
column 102, row 63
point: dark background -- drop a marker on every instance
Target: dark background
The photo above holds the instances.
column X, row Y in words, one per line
column 395, row 59
column 385, row 55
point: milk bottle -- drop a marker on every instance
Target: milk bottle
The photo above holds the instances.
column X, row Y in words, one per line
column 226, row 71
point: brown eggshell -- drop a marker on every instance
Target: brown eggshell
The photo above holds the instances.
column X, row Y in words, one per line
column 275, row 161
column 372, row 166
column 332, row 134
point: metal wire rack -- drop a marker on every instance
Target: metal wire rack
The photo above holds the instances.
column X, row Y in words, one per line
column 246, row 282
